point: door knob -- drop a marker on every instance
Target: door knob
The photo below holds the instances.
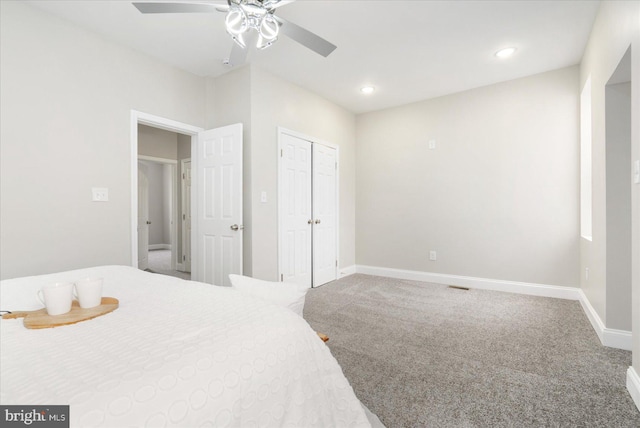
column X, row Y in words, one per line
column 317, row 221
column 309, row 221
column 148, row 222
column 236, row 227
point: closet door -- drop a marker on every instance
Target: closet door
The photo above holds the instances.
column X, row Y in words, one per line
column 324, row 214
column 308, row 211
column 295, row 210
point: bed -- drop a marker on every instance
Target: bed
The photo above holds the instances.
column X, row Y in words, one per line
column 175, row 353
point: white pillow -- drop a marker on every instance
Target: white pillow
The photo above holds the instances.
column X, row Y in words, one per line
column 281, row 293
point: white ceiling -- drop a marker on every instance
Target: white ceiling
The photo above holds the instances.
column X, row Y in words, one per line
column 409, row 50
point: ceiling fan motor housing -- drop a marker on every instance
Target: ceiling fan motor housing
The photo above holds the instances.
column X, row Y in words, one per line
column 244, row 15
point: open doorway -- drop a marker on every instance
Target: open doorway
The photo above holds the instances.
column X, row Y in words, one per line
column 161, row 204
column 140, row 147
column 618, row 196
column 216, row 197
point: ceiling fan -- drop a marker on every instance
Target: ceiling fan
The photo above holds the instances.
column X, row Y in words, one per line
column 244, row 16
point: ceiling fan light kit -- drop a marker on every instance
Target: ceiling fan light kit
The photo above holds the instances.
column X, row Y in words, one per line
column 243, row 16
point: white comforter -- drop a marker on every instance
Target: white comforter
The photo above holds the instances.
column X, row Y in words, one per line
column 175, row 353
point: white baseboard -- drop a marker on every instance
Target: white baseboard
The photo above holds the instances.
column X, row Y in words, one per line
column 633, row 385
column 180, row 267
column 159, row 247
column 531, row 289
column 612, row 338
column 349, row 270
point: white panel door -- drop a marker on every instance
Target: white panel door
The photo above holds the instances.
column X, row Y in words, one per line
column 143, row 217
column 295, row 210
column 218, row 171
column 325, row 267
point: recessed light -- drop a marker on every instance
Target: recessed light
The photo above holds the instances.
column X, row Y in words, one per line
column 506, row 52
column 367, row 89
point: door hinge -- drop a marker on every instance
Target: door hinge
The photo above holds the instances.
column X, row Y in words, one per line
column 336, row 263
column 336, row 166
column 183, row 175
column 281, row 277
column 184, row 258
column 183, row 217
column 281, row 153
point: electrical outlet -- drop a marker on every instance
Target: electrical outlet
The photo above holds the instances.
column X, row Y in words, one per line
column 100, row 194
column 433, row 255
column 432, row 144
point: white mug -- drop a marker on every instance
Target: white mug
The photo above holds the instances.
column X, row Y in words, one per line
column 88, row 292
column 56, row 298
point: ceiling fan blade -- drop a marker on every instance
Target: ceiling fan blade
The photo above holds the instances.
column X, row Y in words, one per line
column 178, row 7
column 305, row 37
column 278, row 3
column 237, row 56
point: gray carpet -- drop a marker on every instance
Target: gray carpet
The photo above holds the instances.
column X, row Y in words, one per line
column 160, row 262
column 424, row 355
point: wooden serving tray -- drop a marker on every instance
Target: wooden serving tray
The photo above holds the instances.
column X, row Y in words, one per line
column 40, row 318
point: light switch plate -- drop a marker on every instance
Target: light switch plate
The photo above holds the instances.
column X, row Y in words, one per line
column 432, row 144
column 100, row 194
column 263, row 197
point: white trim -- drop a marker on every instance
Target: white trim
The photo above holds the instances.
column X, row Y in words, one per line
column 159, row 247
column 633, row 385
column 610, row 337
column 346, row 271
column 157, row 160
column 180, row 258
column 138, row 117
column 591, row 313
column 620, row 339
column 530, row 289
column 164, row 123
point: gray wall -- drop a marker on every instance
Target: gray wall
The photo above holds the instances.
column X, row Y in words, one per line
column 617, row 27
column 229, row 102
column 65, row 109
column 157, row 143
column 275, row 102
column 262, row 102
column 618, row 218
column 498, row 196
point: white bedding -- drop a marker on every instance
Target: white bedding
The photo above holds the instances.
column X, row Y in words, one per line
column 175, row 353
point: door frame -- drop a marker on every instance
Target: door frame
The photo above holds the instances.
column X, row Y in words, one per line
column 182, row 263
column 173, row 230
column 141, row 118
column 312, row 140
